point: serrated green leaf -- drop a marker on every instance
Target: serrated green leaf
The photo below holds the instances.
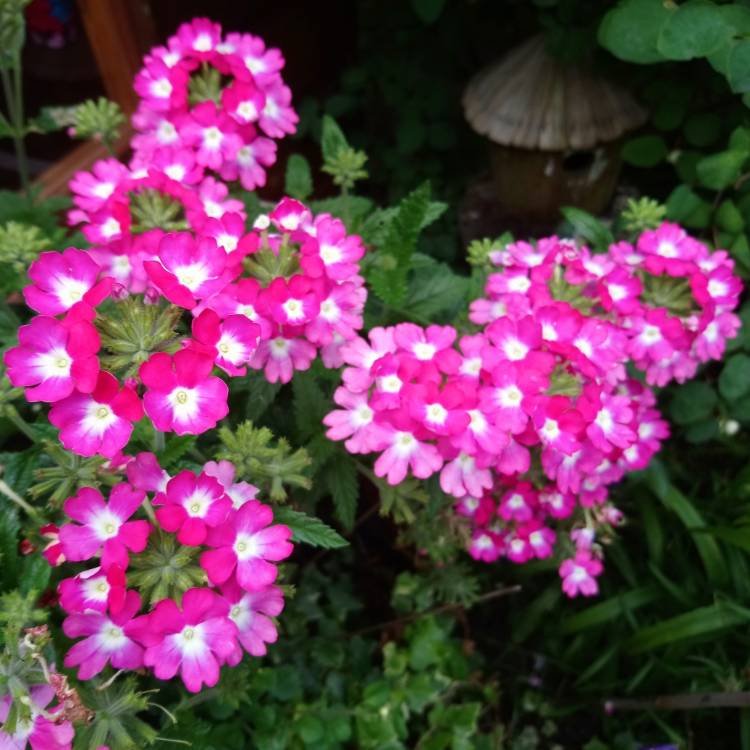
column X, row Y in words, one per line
column 310, row 404
column 588, row 227
column 298, row 179
column 341, row 480
column 332, row 139
column 309, row 529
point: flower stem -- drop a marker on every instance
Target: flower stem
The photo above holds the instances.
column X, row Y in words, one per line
column 159, row 441
column 23, row 426
column 149, row 511
column 11, row 494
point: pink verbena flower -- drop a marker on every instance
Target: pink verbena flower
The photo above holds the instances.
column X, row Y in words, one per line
column 54, row 358
column 64, row 279
column 189, row 269
column 43, row 730
column 181, row 394
column 231, row 342
column 355, row 423
column 238, row 492
column 244, row 545
column 190, row 505
column 251, row 612
column 106, row 639
column 144, row 473
column 579, row 574
column 406, row 451
column 94, row 589
column 104, row 527
column 194, row 641
column 97, row 422
column 280, row 356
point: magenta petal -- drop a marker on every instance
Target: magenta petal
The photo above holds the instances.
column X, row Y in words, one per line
column 171, row 517
column 218, row 564
column 134, row 535
column 78, row 542
column 192, row 533
column 255, row 574
column 115, row 553
column 124, row 500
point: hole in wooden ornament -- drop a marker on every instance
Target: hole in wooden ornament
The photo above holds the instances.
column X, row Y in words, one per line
column 578, row 161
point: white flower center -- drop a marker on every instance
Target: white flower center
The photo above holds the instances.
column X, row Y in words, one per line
column 293, row 309
column 161, row 88
column 175, row 172
column 515, row 350
column 330, row 254
column 390, row 383
column 247, row 111
column 651, row 334
column 361, row 416
column 103, row 190
column 110, row 228
column 70, row 290
column 550, row 429
column 246, row 547
column 227, row 241
column 424, row 351
column 202, row 43
column 280, row 347
column 510, row 396
column 436, row 413
column 212, row 137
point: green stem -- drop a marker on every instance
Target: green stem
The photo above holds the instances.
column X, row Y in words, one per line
column 23, row 426
column 20, row 144
column 149, row 511
column 11, row 494
column 159, row 441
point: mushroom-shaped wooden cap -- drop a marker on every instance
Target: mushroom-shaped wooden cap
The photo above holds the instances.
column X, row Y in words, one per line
column 530, row 100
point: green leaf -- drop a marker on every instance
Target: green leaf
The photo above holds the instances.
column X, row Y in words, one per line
column 298, row 181
column 341, row 479
column 434, row 289
column 310, row 404
column 308, row 529
column 588, row 227
column 631, row 30
column 391, row 263
column 10, row 527
column 693, row 402
column 611, row 609
column 738, row 67
column 332, row 139
column 428, row 11
column 701, row 622
column 719, row 171
column 687, row 207
column 644, row 151
column 729, row 218
column 697, row 28
column 702, row 130
column 734, row 381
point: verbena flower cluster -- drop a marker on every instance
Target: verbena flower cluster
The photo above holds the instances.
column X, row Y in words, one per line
column 203, row 567
column 529, row 420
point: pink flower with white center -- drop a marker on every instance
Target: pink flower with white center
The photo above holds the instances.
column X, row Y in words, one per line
column 611, row 427
column 160, row 131
column 515, row 339
column 289, row 215
column 339, row 314
column 331, row 252
column 280, row 356
column 231, row 342
column 250, row 163
column 719, row 287
column 517, row 548
column 485, row 545
column 472, row 349
column 188, row 269
column 579, row 574
column 212, row 134
column 290, row 303
column 583, row 538
column 555, row 503
column 710, row 343
column 361, row 356
column 106, row 640
column 540, row 538
column 251, row 612
column 442, row 412
column 241, row 299
column 214, row 196
column 162, row 88
column 558, row 424
column 104, row 527
column 624, row 254
column 254, row 61
column 182, row 396
column 247, row 545
column 194, row 641
column 480, row 510
column 238, row 492
column 198, row 38
column 110, row 223
column 518, row 503
column 620, row 291
column 655, row 336
column 515, row 281
column 176, row 162
column 433, row 344
column 91, row 190
column 144, row 473
column 44, row 730
column 229, row 234
column 505, row 399
column 669, row 249
column 391, row 371
column 62, row 280
column 278, row 117
column 100, row 422
column 53, row 551
column 526, row 254
column 243, row 101
column 191, row 505
column 93, row 590
column 54, row 358
column 355, row 423
column 461, row 477
column 405, row 451
column 483, row 433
